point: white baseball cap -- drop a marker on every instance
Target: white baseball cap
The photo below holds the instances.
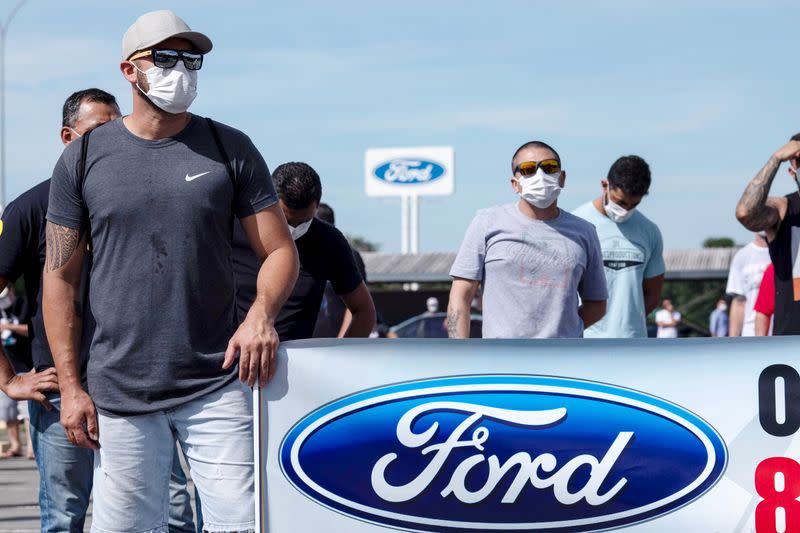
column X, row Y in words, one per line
column 157, row 26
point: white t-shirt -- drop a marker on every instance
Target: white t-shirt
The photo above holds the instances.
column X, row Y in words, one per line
column 669, row 332
column 744, row 279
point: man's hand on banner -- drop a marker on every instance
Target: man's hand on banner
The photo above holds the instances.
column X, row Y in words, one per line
column 256, row 342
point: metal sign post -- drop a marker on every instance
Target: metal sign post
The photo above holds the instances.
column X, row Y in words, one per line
column 409, row 173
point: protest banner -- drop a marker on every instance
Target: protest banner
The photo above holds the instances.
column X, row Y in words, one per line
column 538, row 435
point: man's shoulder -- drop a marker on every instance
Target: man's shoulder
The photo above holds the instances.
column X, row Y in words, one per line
column 327, row 231
column 228, row 133
column 644, row 222
column 577, row 222
column 646, row 227
column 36, row 196
column 585, row 210
column 31, row 202
column 495, row 210
column 324, row 236
column 744, row 253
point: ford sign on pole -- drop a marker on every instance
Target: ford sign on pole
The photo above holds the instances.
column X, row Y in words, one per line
column 421, row 171
column 543, row 436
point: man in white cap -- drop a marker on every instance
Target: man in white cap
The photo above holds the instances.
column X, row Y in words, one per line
column 155, row 193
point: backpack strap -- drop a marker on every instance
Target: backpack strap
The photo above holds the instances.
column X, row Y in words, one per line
column 82, row 161
column 228, row 166
column 81, row 180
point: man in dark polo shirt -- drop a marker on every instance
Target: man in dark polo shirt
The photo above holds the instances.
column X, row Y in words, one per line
column 778, row 219
column 325, row 256
column 156, row 193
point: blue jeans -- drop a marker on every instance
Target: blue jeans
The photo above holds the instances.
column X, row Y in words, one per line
column 132, row 466
column 66, row 473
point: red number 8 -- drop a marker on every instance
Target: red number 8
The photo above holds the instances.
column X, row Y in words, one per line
column 786, row 499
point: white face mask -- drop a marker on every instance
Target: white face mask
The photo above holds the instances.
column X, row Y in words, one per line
column 300, row 230
column 722, row 307
column 616, row 212
column 171, row 89
column 540, row 190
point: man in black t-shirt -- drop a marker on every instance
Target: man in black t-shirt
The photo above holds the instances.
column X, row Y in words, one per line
column 325, row 255
column 334, row 318
column 778, row 218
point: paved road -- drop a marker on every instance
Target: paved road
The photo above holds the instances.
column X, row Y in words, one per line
column 19, row 503
column 19, row 495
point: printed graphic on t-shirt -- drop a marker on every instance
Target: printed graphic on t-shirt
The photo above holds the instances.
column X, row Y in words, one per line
column 796, row 263
column 620, row 254
column 544, row 262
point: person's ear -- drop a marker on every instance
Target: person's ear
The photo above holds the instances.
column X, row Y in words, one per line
column 793, row 172
column 67, row 135
column 563, row 179
column 128, row 71
column 604, row 184
column 516, row 186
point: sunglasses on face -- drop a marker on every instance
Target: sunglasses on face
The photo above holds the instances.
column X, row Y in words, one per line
column 165, row 58
column 529, row 168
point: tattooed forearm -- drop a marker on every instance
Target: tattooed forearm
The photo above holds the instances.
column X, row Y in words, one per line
column 452, row 325
column 753, row 211
column 61, row 244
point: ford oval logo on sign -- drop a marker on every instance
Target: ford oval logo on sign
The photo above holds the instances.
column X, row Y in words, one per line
column 502, row 453
column 409, row 171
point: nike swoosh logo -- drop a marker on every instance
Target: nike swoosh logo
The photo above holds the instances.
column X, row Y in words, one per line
column 190, row 178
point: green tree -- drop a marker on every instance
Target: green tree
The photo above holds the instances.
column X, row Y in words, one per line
column 361, row 244
column 719, row 242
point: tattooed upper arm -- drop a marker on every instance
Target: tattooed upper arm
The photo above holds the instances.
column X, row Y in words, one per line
column 756, row 210
column 61, row 245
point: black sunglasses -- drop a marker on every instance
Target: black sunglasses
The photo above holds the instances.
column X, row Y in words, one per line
column 166, row 58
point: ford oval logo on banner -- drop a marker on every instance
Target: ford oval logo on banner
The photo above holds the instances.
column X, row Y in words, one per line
column 409, row 171
column 502, row 453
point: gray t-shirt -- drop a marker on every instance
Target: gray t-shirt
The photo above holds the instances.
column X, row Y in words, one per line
column 532, row 271
column 161, row 284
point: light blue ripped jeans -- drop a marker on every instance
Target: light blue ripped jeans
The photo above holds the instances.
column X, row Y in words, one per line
column 132, row 468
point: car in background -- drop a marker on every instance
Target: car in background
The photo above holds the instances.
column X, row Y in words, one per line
column 432, row 326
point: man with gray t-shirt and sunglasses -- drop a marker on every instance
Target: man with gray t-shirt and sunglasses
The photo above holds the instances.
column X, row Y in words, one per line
column 155, row 193
column 532, row 258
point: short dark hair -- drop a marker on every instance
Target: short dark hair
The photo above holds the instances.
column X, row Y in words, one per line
column 325, row 212
column 630, row 173
column 534, row 144
column 795, row 137
column 298, row 185
column 72, row 105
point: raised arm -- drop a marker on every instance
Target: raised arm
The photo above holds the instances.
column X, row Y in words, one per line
column 756, row 210
column 256, row 340
column 462, row 291
column 61, row 307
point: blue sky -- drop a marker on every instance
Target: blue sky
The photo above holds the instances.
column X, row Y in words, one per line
column 704, row 91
